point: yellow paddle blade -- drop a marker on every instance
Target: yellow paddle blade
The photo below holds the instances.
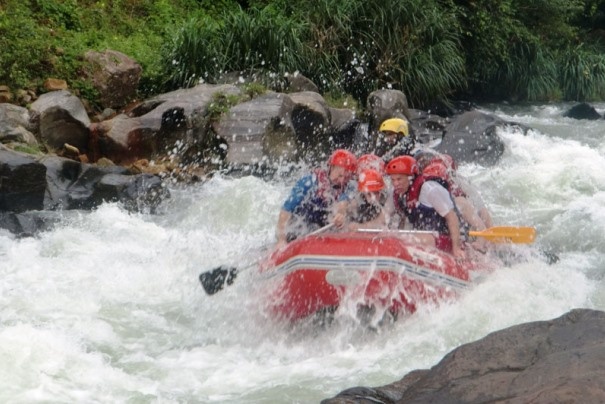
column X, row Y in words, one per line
column 507, row 234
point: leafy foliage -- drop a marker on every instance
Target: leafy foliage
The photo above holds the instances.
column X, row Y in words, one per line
column 511, row 46
column 430, row 49
column 47, row 38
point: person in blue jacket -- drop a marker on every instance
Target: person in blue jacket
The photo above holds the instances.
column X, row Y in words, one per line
column 318, row 198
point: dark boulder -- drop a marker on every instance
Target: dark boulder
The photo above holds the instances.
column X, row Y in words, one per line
column 73, row 185
column 28, row 224
column 554, row 361
column 582, row 111
column 22, row 182
column 472, row 137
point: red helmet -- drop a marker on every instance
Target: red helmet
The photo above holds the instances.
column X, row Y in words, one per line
column 343, row 158
column 371, row 161
column 370, row 181
column 402, row 165
column 436, row 168
column 448, row 161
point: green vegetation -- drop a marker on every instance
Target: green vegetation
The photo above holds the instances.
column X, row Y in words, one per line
column 520, row 50
column 253, row 90
column 47, row 38
column 221, row 103
column 29, row 149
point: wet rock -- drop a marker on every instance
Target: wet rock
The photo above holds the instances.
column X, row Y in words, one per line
column 310, row 118
column 346, row 130
column 115, row 75
column 427, row 127
column 472, row 137
column 137, row 193
column 583, row 111
column 74, row 185
column 260, row 129
column 296, row 82
column 22, row 182
column 382, row 105
column 63, row 119
column 539, row 362
column 54, row 183
column 385, row 104
column 29, row 224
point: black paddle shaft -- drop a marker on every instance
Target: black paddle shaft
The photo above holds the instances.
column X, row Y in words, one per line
column 215, row 280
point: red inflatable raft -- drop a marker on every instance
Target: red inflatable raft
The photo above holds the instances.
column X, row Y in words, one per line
column 389, row 272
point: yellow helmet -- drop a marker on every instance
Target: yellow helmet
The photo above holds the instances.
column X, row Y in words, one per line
column 396, row 125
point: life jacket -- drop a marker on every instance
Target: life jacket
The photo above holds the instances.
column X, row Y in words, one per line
column 420, row 216
column 367, row 211
column 442, row 240
column 315, row 208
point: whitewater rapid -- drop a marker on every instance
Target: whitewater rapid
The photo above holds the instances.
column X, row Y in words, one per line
column 107, row 307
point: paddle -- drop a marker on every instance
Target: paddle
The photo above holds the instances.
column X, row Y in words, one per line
column 497, row 234
column 215, row 280
column 507, row 234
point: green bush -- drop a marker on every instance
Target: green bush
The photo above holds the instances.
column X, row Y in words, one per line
column 582, row 74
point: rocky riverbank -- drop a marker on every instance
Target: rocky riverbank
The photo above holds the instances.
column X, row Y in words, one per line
column 56, row 155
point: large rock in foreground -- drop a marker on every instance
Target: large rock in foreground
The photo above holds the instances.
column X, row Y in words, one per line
column 557, row 361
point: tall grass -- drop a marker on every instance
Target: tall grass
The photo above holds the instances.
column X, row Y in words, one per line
column 409, row 45
column 328, row 35
column 343, row 45
column 529, row 73
column 582, row 74
column 204, row 48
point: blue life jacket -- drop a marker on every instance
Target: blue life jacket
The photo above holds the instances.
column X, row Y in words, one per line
column 315, row 207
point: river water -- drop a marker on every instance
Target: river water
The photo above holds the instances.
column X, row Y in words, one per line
column 107, row 307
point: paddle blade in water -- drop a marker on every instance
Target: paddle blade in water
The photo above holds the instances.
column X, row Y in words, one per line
column 215, row 280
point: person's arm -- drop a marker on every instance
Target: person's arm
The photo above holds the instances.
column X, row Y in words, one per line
column 297, row 194
column 340, row 213
column 280, row 232
column 475, row 199
column 469, row 214
column 453, row 226
column 436, row 196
